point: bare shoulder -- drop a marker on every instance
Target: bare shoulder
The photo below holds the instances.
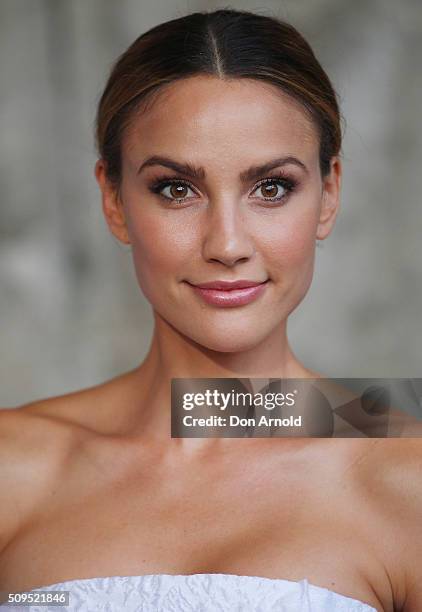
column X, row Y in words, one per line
column 397, row 476
column 99, row 409
column 393, row 479
column 38, row 441
column 32, row 448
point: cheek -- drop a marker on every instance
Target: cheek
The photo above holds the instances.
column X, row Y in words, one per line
column 290, row 242
column 161, row 247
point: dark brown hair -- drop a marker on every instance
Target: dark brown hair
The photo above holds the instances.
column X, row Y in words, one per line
column 224, row 43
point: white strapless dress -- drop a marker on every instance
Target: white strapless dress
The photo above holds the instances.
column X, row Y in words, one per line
column 196, row 593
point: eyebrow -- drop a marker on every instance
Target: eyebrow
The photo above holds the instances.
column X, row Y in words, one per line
column 198, row 172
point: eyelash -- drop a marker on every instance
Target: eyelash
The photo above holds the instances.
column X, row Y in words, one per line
column 288, row 183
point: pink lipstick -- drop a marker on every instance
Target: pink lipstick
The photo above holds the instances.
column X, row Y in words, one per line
column 229, row 293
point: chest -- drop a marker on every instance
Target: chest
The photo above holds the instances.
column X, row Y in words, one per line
column 265, row 521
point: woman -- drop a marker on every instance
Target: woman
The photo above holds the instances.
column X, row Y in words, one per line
column 219, row 142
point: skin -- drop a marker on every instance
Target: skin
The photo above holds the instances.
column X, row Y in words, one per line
column 221, row 231
column 97, row 470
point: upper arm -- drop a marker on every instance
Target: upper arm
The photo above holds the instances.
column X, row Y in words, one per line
column 413, row 531
column 393, row 484
column 11, row 475
column 28, row 462
column 401, row 480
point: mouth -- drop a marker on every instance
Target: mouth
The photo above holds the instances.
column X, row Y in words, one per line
column 229, row 294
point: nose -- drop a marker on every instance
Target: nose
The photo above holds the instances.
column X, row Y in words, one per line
column 226, row 236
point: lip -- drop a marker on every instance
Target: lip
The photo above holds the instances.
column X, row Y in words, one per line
column 229, row 294
column 228, row 285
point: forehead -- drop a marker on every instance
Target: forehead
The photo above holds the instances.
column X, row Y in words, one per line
column 224, row 119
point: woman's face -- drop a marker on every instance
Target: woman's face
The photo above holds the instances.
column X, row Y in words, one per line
column 224, row 223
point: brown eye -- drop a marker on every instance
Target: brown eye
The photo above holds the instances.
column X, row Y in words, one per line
column 270, row 190
column 275, row 189
column 178, row 190
column 172, row 190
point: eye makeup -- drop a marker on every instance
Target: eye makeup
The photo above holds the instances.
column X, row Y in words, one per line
column 287, row 182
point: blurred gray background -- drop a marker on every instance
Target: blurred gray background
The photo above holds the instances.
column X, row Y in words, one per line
column 72, row 314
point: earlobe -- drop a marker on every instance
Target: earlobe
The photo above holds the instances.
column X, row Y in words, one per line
column 330, row 200
column 111, row 204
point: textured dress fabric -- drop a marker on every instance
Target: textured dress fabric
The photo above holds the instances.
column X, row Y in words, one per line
column 196, row 593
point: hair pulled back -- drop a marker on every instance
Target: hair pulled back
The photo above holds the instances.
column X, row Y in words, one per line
column 227, row 44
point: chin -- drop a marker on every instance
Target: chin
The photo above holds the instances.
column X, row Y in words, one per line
column 228, row 342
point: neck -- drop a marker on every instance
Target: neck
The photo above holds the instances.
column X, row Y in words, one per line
column 173, row 355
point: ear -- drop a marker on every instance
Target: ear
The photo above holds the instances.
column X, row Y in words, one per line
column 112, row 205
column 330, row 199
